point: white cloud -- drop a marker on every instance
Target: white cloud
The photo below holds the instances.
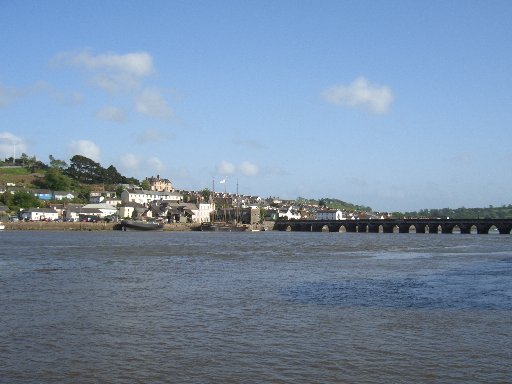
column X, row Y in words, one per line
column 138, row 165
column 130, row 162
column 110, row 113
column 85, row 148
column 151, row 135
column 248, row 169
column 155, row 164
column 250, row 143
column 226, row 168
column 138, row 64
column 462, row 158
column 374, row 98
column 111, row 71
column 9, row 144
column 8, row 95
column 150, row 102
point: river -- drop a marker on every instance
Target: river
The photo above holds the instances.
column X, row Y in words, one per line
column 258, row 307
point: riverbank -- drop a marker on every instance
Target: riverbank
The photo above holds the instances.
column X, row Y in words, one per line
column 102, row 226
column 80, row 226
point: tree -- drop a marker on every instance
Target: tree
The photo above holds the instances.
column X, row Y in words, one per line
column 57, row 164
column 112, row 176
column 145, row 185
column 24, row 200
column 85, row 170
column 205, row 194
column 6, row 198
column 56, row 180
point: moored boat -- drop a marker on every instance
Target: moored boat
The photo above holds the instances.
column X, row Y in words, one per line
column 135, row 225
column 2, row 226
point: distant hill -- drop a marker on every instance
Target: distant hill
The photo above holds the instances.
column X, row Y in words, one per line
column 333, row 203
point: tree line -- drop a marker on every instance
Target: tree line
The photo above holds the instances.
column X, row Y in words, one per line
column 78, row 176
column 61, row 176
column 491, row 212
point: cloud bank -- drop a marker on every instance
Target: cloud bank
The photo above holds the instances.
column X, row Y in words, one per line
column 10, row 143
column 131, row 163
column 360, row 93
column 111, row 113
column 110, row 71
column 85, row 148
column 151, row 103
column 245, row 168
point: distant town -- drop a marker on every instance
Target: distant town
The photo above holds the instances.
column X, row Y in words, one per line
column 161, row 201
column 84, row 191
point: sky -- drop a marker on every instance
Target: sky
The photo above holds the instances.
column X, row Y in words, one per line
column 396, row 105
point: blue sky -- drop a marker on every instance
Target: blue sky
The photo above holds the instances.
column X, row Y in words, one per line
column 399, row 105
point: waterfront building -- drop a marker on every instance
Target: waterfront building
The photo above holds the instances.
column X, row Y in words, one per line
column 330, row 214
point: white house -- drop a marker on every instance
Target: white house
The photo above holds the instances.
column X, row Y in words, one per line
column 143, row 197
column 289, row 212
column 105, row 209
column 61, row 195
column 202, row 213
column 330, row 214
column 126, row 209
column 38, row 214
column 164, row 197
column 96, row 197
column 134, row 196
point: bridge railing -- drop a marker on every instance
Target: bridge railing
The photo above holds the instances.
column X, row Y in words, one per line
column 433, row 226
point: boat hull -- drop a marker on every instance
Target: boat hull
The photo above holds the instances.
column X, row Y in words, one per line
column 127, row 225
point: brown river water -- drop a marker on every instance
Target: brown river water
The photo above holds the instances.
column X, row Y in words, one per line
column 258, row 307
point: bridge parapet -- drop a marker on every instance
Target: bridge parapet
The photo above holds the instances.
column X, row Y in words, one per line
column 445, row 226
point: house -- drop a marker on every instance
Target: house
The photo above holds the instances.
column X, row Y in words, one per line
column 40, row 214
column 76, row 212
column 96, row 197
column 201, row 212
column 90, row 214
column 61, row 195
column 126, row 210
column 42, row 194
column 59, row 208
column 171, row 197
column 143, row 197
column 113, row 201
column 289, row 212
column 330, row 214
column 183, row 212
column 134, row 196
column 160, row 185
column 105, row 209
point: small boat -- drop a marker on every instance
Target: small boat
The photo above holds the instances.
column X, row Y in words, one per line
column 2, row 226
column 135, row 225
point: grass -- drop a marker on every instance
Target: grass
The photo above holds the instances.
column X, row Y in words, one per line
column 17, row 175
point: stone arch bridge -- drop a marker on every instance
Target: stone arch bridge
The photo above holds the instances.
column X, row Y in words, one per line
column 479, row 226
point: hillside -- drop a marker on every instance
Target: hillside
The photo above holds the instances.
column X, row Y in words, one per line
column 22, row 177
column 333, row 203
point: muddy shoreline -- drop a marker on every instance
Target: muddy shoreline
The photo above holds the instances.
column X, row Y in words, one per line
column 80, row 226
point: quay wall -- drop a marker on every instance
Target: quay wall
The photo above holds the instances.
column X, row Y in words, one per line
column 79, row 226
